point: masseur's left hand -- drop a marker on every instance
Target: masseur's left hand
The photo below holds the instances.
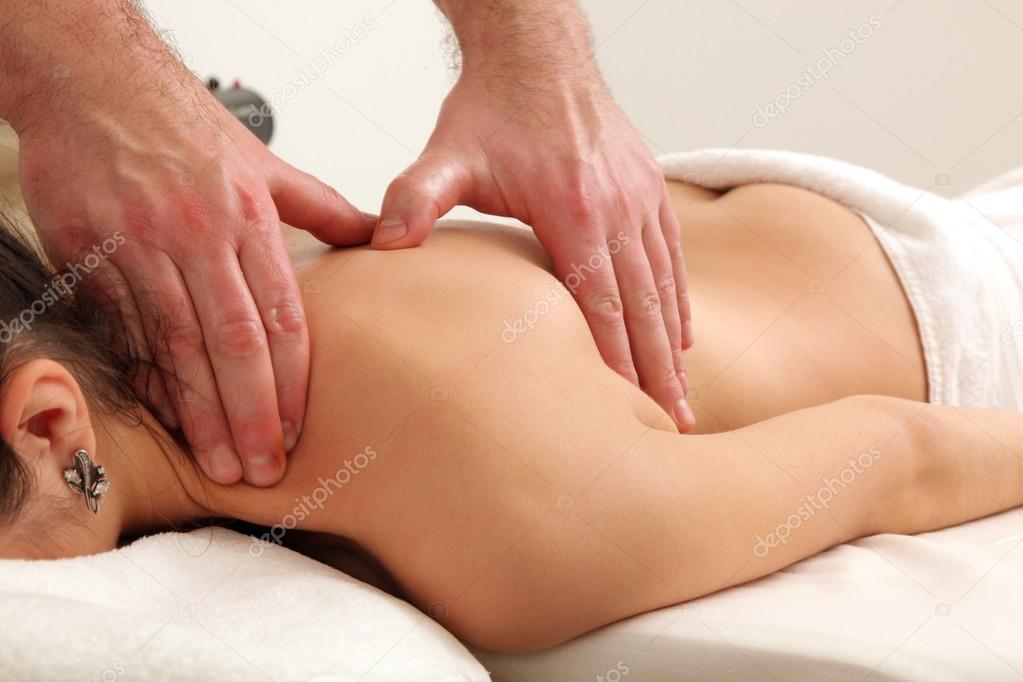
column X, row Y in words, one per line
column 547, row 144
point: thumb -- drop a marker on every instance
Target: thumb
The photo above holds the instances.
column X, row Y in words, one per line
column 416, row 199
column 305, row 202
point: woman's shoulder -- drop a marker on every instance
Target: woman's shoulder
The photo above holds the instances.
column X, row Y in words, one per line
column 439, row 306
column 464, row 246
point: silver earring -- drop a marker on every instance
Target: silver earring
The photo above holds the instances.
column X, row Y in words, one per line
column 87, row 479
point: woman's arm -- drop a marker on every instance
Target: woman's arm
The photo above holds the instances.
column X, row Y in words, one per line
column 685, row 517
column 773, row 493
column 516, row 555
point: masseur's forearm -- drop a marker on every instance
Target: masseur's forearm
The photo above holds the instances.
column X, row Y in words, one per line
column 544, row 38
column 59, row 59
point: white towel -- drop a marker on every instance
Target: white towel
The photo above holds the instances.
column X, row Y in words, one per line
column 213, row 605
column 960, row 261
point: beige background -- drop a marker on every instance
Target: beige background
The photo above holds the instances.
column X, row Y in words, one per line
column 932, row 97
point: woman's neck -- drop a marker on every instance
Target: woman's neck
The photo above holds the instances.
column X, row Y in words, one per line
column 154, row 483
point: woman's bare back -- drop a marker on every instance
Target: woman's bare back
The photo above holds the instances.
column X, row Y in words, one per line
column 470, row 336
column 797, row 306
column 796, row 302
column 490, row 429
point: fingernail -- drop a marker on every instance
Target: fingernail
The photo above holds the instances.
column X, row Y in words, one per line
column 224, row 465
column 262, row 470
column 290, row 436
column 683, row 414
column 687, row 334
column 390, row 231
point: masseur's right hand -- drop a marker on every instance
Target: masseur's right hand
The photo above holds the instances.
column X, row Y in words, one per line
column 142, row 172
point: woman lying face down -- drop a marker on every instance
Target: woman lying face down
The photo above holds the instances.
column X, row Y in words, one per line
column 464, row 431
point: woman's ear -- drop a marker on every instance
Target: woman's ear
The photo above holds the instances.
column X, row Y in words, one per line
column 44, row 416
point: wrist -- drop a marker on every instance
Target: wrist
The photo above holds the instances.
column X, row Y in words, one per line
column 522, row 40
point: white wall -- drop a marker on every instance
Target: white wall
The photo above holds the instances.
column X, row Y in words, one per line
column 934, row 91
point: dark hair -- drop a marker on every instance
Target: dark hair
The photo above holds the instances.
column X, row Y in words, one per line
column 41, row 316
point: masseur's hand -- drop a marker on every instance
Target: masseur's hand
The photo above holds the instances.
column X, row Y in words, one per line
column 549, row 146
column 176, row 207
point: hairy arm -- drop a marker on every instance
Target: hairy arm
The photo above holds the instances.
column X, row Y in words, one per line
column 501, row 38
column 58, row 57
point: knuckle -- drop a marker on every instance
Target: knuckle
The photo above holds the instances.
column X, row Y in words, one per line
column 406, row 183
column 653, row 175
column 580, row 200
column 167, row 305
column 604, row 306
column 239, row 339
column 328, row 194
column 321, row 191
column 257, row 207
column 195, row 214
column 184, row 340
column 647, row 307
column 666, row 288
column 664, row 382
column 285, row 319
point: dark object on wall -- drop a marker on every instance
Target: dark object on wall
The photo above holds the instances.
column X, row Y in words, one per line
column 247, row 106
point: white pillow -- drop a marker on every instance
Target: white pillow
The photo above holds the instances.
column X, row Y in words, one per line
column 213, row 604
